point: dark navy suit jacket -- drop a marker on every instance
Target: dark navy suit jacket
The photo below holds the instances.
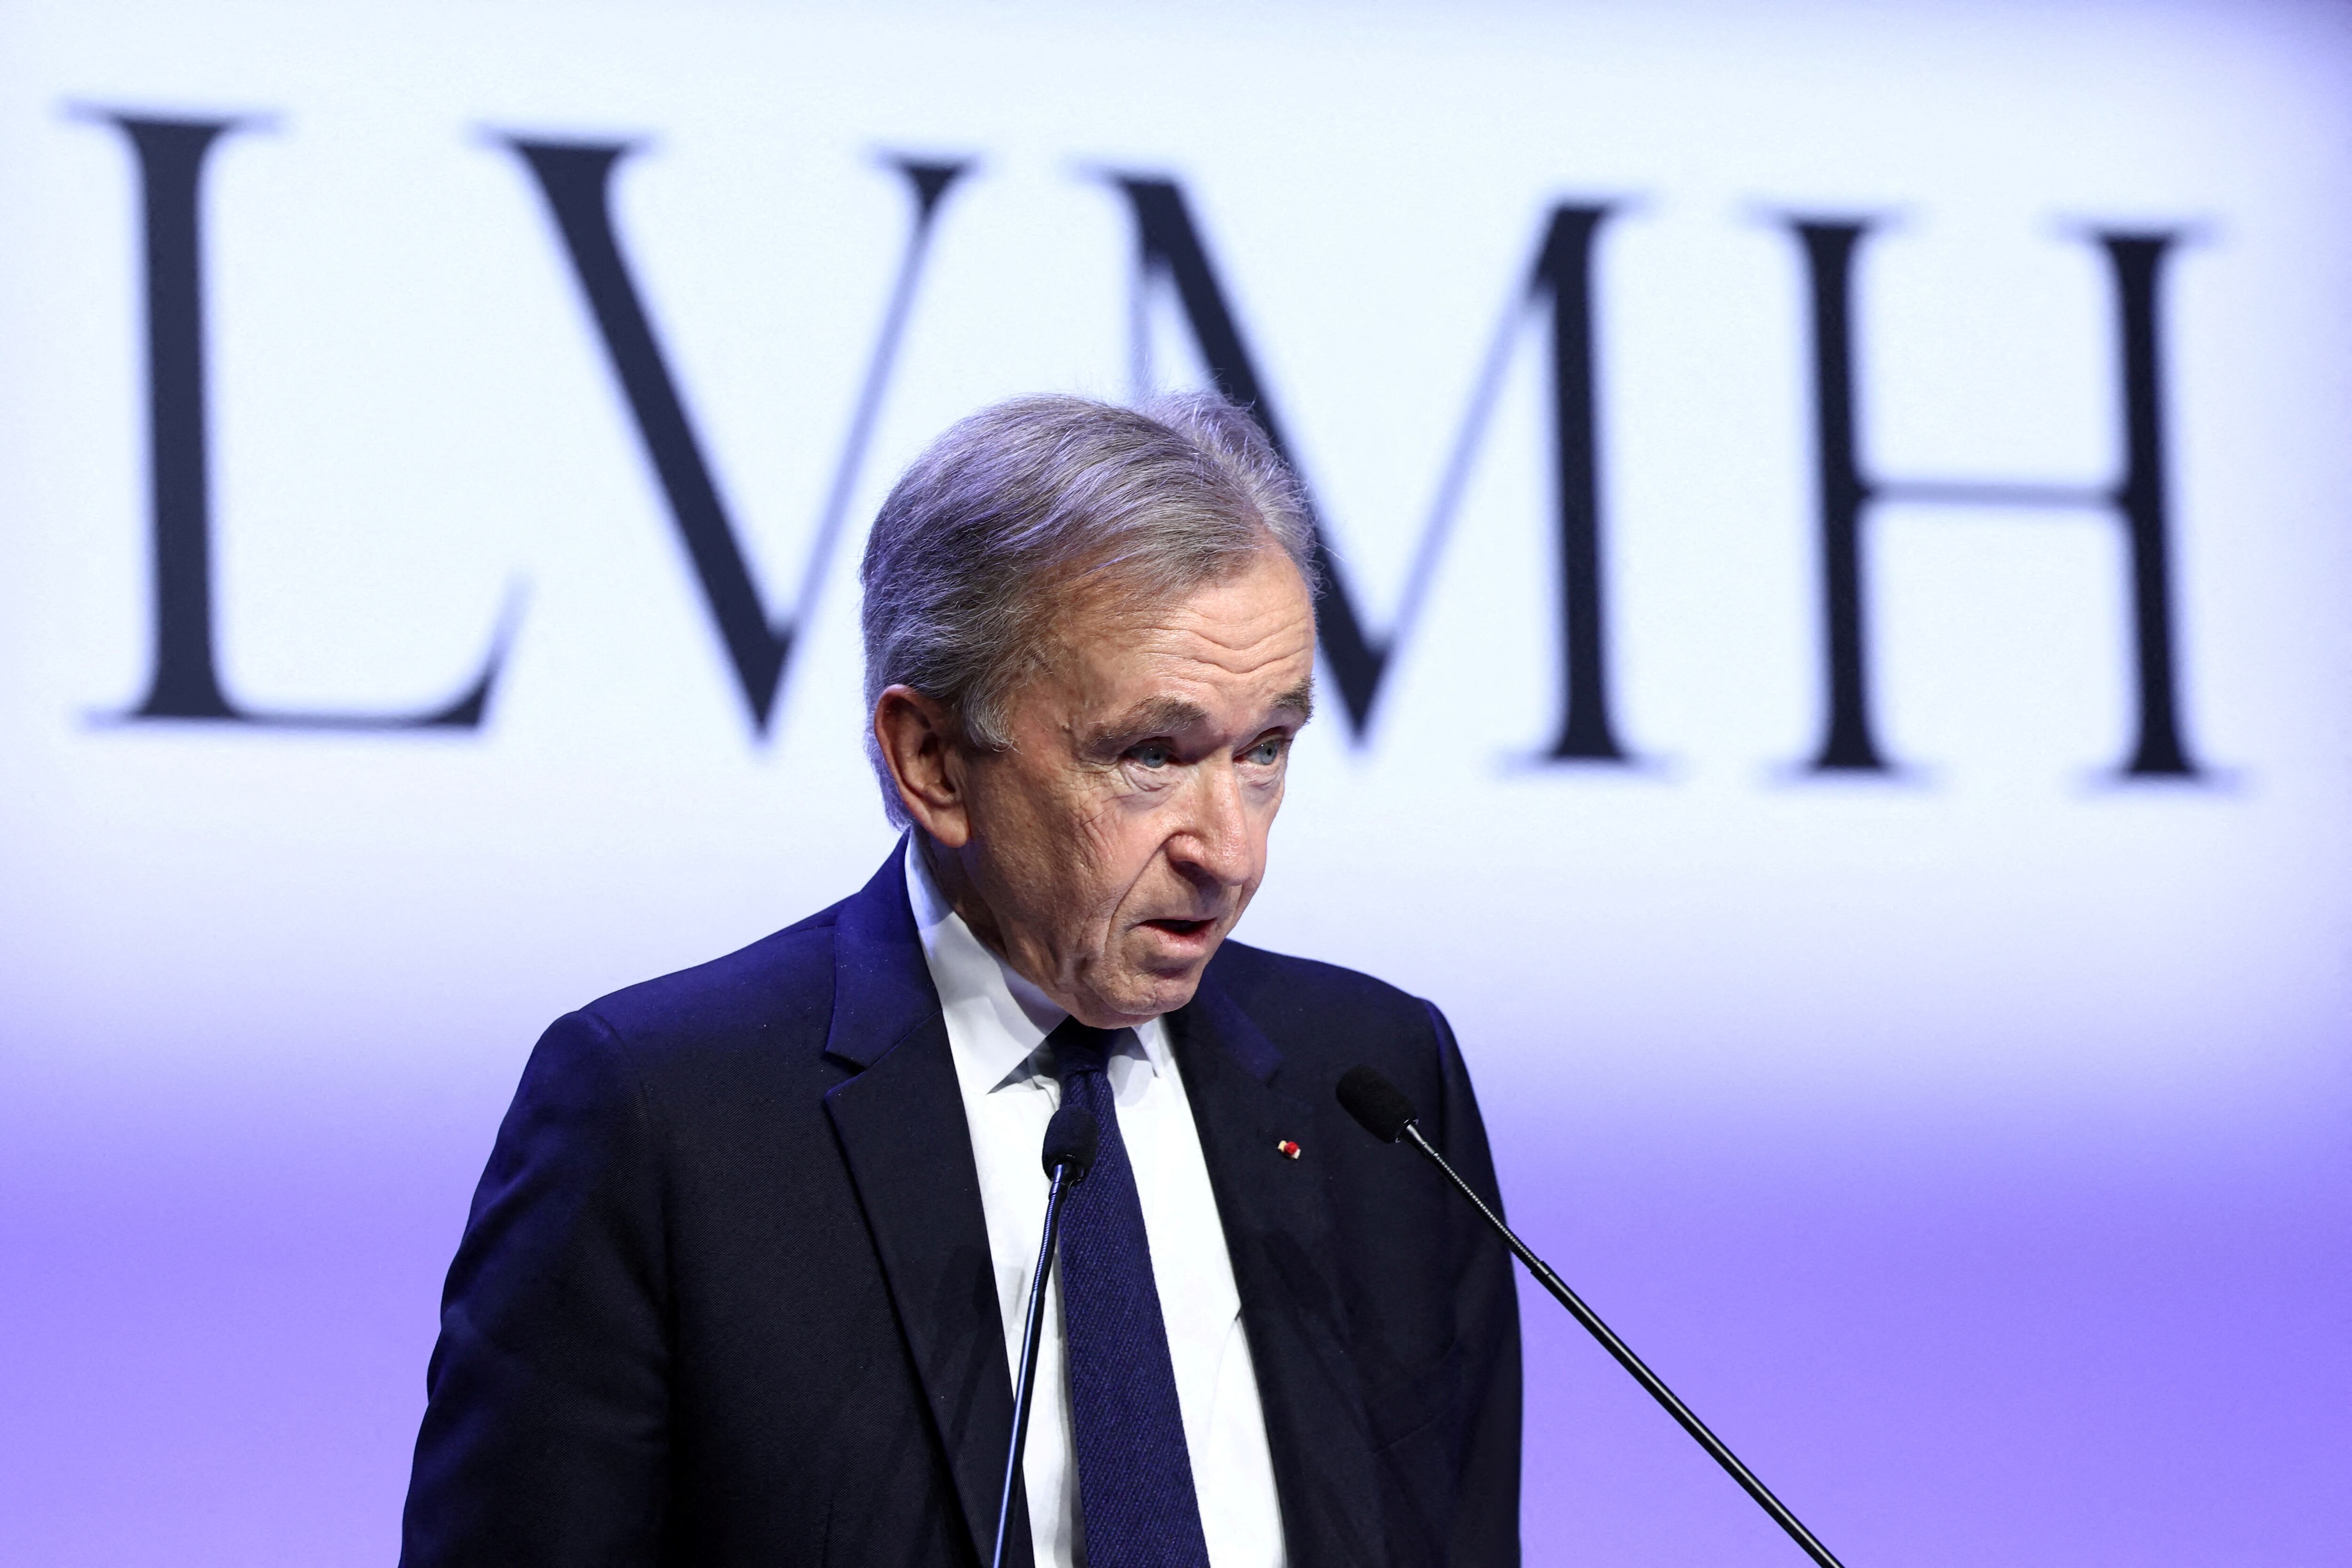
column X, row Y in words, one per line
column 725, row 1293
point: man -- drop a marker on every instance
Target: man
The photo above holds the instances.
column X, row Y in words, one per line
column 743, row 1280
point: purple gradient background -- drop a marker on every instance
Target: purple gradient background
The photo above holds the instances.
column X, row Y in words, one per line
column 1943, row 1344
column 1985, row 1240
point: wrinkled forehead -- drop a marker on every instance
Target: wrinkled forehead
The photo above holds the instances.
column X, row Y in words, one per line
column 1241, row 638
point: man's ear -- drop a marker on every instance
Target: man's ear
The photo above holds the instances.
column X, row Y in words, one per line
column 917, row 736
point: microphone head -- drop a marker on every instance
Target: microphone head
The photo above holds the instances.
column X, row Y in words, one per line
column 1376, row 1103
column 1070, row 1140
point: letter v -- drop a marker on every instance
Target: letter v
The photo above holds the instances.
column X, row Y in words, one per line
column 576, row 180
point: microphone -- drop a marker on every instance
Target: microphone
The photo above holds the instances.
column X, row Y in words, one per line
column 1071, row 1139
column 1384, row 1111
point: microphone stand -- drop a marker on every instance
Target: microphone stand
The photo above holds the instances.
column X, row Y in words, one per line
column 1065, row 1173
column 1631, row 1362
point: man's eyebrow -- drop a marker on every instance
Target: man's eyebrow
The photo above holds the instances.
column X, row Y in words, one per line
column 1154, row 715
column 1168, row 715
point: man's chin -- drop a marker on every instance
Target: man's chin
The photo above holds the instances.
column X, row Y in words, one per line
column 1148, row 994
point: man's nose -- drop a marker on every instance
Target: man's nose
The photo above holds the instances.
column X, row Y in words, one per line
column 1214, row 841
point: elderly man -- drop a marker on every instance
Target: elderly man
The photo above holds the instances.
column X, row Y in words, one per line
column 743, row 1280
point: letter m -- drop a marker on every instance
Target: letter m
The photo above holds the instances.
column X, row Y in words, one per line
column 1169, row 250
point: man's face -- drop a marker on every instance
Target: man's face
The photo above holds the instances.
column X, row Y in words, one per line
column 1117, row 841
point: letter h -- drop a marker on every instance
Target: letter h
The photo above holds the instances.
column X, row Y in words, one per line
column 2137, row 499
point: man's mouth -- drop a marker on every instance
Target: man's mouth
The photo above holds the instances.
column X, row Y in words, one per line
column 1182, row 929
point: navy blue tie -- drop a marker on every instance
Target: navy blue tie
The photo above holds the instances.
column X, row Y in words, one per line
column 1135, row 1474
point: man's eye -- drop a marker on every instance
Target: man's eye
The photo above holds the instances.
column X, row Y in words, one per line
column 1154, row 754
column 1266, row 753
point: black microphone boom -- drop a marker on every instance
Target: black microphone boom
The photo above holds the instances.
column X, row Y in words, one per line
column 1384, row 1111
column 1071, row 1138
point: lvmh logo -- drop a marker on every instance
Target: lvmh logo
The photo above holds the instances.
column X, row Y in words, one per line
column 574, row 179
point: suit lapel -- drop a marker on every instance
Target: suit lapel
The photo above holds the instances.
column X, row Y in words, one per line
column 901, row 1125
column 1278, row 1225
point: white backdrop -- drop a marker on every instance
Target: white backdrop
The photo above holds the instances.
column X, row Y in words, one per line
column 1774, row 1057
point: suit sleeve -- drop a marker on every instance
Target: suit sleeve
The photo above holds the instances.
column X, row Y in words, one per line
column 545, row 1432
column 1485, row 1531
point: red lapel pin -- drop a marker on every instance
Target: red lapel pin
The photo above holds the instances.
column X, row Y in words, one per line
column 1287, row 1149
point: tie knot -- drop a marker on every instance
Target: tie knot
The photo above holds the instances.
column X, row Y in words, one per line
column 1081, row 1048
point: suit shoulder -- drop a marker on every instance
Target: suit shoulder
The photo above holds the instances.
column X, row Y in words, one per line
column 771, row 989
column 1274, row 988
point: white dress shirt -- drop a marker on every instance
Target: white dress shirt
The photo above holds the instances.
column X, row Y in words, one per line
column 996, row 1022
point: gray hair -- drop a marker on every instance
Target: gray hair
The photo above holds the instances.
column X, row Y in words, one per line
column 979, row 542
